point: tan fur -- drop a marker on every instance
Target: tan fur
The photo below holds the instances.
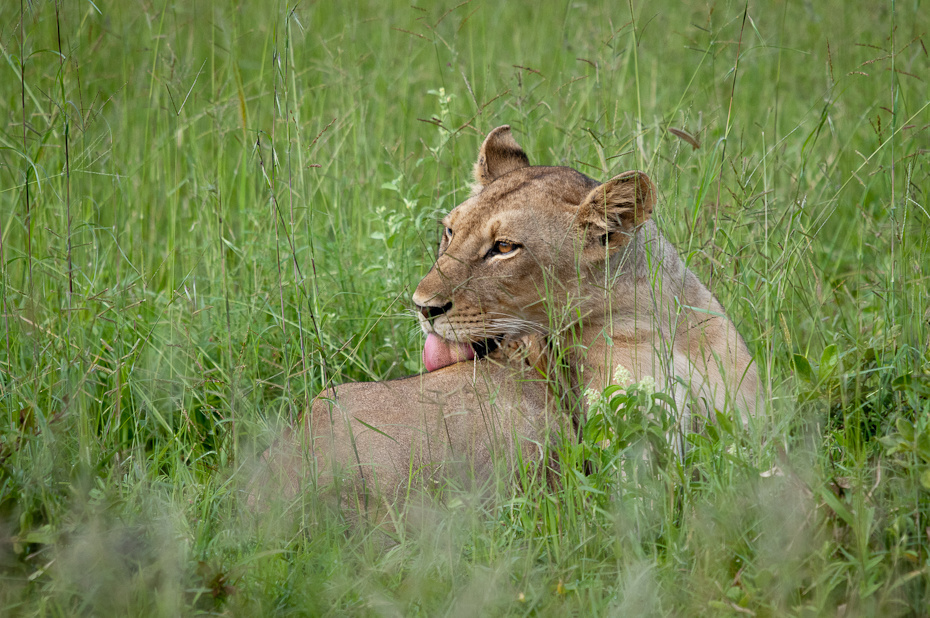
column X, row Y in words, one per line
column 372, row 443
column 591, row 271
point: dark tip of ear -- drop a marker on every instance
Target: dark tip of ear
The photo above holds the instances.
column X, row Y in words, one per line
column 645, row 189
column 499, row 154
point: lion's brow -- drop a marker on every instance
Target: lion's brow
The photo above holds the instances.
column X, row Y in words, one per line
column 512, row 190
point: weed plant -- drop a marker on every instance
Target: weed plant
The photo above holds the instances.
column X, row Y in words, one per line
column 211, row 210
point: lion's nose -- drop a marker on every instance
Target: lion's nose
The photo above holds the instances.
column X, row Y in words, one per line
column 430, row 313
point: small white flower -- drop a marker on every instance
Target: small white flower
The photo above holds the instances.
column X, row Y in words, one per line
column 622, row 376
column 647, row 385
column 594, row 398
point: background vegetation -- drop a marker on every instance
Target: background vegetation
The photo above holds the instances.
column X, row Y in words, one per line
column 209, row 210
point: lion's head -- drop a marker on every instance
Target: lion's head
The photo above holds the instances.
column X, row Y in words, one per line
column 526, row 246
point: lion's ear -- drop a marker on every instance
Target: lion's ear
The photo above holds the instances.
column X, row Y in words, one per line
column 500, row 153
column 613, row 210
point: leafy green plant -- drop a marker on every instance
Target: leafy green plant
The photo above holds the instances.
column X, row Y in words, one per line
column 630, row 421
column 909, row 444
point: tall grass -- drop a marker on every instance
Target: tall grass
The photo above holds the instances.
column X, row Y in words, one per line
column 209, row 211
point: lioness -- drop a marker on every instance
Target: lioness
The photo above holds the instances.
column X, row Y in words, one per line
column 535, row 251
column 549, row 250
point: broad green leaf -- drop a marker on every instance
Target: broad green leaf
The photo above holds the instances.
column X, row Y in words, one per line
column 925, row 478
column 667, row 399
column 892, row 443
column 724, row 422
column 803, row 369
column 905, row 428
column 837, row 506
column 902, row 382
column 828, row 361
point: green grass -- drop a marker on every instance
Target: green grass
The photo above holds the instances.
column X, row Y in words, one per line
column 211, row 210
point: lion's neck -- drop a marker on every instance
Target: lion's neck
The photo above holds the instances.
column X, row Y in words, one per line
column 645, row 296
column 653, row 317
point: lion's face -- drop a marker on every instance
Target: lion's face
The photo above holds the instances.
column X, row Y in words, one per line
column 520, row 249
column 503, row 253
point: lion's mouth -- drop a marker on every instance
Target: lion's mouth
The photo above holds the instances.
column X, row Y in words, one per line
column 439, row 352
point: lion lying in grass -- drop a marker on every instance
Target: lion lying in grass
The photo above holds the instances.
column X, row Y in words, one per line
column 534, row 251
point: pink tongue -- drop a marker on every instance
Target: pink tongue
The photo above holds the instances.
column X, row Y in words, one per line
column 439, row 353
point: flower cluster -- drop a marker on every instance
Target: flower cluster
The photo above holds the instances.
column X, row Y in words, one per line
column 622, row 376
column 624, row 379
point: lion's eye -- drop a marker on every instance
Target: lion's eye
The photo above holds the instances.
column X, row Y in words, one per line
column 502, row 247
column 449, row 233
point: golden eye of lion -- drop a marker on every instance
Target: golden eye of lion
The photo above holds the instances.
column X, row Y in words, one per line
column 504, row 247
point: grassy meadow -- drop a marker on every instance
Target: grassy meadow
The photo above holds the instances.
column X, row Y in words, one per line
column 211, row 210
